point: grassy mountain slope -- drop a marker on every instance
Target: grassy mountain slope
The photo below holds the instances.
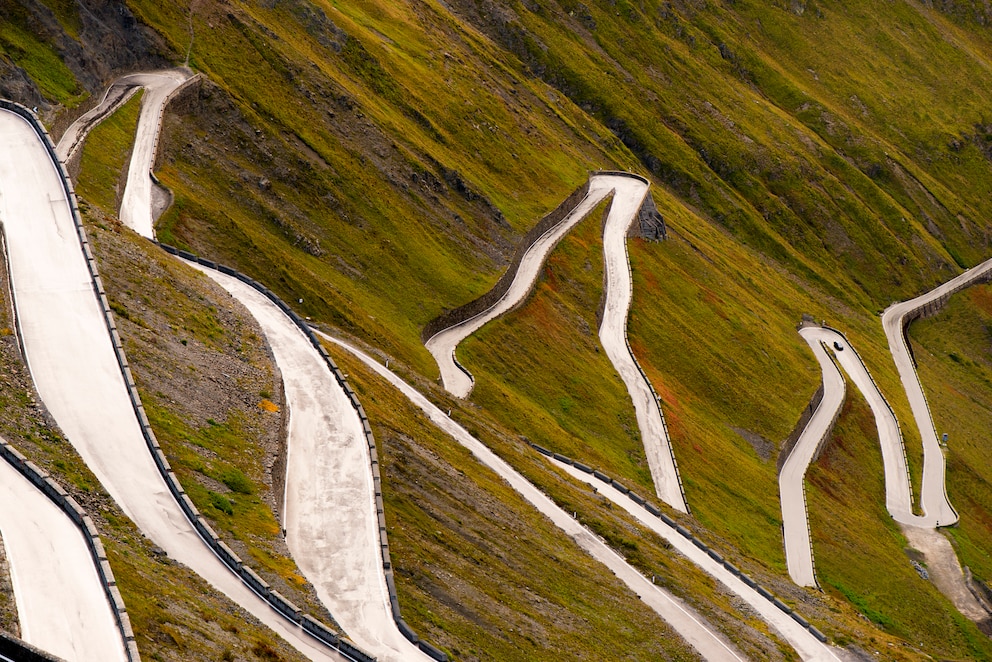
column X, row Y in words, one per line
column 379, row 160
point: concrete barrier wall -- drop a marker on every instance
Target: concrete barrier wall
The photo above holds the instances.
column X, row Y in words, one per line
column 797, row 430
column 310, row 625
column 12, row 648
column 685, row 533
column 41, row 478
column 489, row 299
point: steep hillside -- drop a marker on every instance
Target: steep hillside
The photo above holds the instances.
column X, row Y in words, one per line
column 379, row 160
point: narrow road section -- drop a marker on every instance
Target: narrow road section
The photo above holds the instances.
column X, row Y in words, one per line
column 933, row 496
column 136, row 204
column 683, row 619
column 443, row 344
column 330, row 520
column 61, row 604
column 792, row 479
column 628, row 195
column 69, row 353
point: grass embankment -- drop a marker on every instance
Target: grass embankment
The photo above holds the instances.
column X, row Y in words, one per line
column 209, row 385
column 847, row 191
column 952, row 350
column 439, row 225
column 175, row 614
column 36, row 55
column 105, row 157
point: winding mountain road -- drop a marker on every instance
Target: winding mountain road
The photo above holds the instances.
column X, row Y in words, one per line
column 791, row 480
column 329, row 486
column 802, row 640
column 72, row 362
column 628, row 193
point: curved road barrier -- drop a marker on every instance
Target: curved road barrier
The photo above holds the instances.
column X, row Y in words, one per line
column 79, row 370
column 629, row 193
column 683, row 619
column 67, row 599
column 808, row 641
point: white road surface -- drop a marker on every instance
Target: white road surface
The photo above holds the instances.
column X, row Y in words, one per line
column 331, row 524
column 806, row 645
column 692, row 627
column 442, row 345
column 61, row 604
column 933, row 498
column 628, row 193
column 136, row 204
column 628, row 196
column 72, row 362
column 791, row 481
column 898, row 489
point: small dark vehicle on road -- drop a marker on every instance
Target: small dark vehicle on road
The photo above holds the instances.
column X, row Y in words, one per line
column 838, row 346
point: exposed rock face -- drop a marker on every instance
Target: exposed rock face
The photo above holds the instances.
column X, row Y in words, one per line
column 650, row 223
column 108, row 41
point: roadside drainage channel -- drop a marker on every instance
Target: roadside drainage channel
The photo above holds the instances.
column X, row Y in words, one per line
column 430, row 650
column 44, row 482
column 686, row 533
column 283, row 606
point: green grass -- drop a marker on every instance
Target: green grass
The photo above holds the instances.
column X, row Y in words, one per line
column 106, row 156
column 825, row 161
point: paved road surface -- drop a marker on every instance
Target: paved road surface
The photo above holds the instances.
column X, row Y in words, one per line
column 442, row 345
column 690, row 625
column 805, row 644
column 792, row 492
column 933, row 497
column 136, row 204
column 628, row 193
column 331, row 524
column 628, row 196
column 61, row 604
column 73, row 365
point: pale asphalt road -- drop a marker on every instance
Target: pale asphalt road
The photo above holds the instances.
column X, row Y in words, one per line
column 805, row 644
column 61, row 604
column 73, row 365
column 627, row 199
column 136, row 208
column 933, row 497
column 442, row 345
column 331, row 524
column 792, row 493
column 682, row 618
column 628, row 193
